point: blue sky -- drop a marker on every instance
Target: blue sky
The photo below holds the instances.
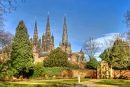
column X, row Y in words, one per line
column 85, row 18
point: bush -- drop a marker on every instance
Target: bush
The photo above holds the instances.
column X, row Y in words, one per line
column 54, row 71
column 56, row 58
column 74, row 66
column 38, row 70
column 92, row 64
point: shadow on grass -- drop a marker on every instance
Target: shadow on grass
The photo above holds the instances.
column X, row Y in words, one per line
column 42, row 83
column 30, row 85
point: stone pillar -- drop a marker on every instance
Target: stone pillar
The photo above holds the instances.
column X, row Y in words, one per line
column 111, row 71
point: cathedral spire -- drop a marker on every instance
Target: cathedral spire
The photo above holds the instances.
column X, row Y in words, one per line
column 35, row 27
column 65, row 46
column 48, row 26
column 65, row 34
column 35, row 36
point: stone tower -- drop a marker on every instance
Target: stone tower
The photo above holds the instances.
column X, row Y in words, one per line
column 35, row 38
column 65, row 46
column 47, row 39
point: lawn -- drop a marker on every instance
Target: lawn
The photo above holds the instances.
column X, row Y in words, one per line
column 117, row 82
column 41, row 83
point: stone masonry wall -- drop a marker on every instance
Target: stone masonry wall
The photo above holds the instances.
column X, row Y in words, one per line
column 89, row 73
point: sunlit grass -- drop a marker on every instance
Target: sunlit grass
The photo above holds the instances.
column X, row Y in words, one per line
column 118, row 82
column 41, row 83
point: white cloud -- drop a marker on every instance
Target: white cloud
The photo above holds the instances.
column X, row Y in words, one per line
column 103, row 43
column 105, row 40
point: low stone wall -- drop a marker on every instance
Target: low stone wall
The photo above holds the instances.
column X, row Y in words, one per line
column 118, row 73
column 87, row 73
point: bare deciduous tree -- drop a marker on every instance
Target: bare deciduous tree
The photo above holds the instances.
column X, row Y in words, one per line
column 127, row 17
column 6, row 6
column 91, row 47
column 6, row 39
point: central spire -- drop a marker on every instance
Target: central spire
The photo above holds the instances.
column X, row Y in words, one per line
column 48, row 26
column 65, row 46
column 35, row 28
column 65, row 34
column 35, row 36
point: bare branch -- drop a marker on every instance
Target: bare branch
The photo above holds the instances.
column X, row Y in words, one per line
column 6, row 6
column 91, row 47
column 127, row 17
column 6, row 39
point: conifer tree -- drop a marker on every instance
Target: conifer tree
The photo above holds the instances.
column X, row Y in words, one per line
column 21, row 54
column 119, row 55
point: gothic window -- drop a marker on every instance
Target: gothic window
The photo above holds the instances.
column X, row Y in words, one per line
column 104, row 69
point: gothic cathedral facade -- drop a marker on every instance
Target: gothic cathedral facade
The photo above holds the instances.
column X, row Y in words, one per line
column 42, row 47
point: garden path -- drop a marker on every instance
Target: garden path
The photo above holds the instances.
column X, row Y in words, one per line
column 92, row 83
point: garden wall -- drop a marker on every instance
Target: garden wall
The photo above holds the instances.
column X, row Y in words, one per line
column 89, row 73
column 118, row 73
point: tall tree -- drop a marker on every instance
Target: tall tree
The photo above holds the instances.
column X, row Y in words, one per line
column 106, row 55
column 119, row 54
column 91, row 47
column 108, row 44
column 6, row 39
column 21, row 54
column 56, row 58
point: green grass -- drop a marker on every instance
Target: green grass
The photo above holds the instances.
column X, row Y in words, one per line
column 67, row 81
column 117, row 82
column 21, row 85
column 41, row 83
column 28, row 85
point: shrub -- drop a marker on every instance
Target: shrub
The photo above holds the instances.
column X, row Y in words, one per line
column 92, row 64
column 38, row 70
column 56, row 58
column 74, row 66
column 54, row 71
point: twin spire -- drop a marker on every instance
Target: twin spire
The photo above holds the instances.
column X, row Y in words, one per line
column 64, row 35
column 35, row 36
column 48, row 26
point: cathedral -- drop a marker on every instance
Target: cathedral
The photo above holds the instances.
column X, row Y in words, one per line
column 42, row 47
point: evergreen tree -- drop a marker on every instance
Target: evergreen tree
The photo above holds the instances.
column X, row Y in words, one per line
column 118, row 55
column 56, row 58
column 21, row 54
column 106, row 55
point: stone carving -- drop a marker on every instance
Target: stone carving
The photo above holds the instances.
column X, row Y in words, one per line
column 104, row 71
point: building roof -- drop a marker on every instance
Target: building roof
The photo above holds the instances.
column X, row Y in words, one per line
column 43, row 54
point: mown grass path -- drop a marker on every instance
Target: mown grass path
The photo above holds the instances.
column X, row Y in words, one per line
column 93, row 83
column 59, row 82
